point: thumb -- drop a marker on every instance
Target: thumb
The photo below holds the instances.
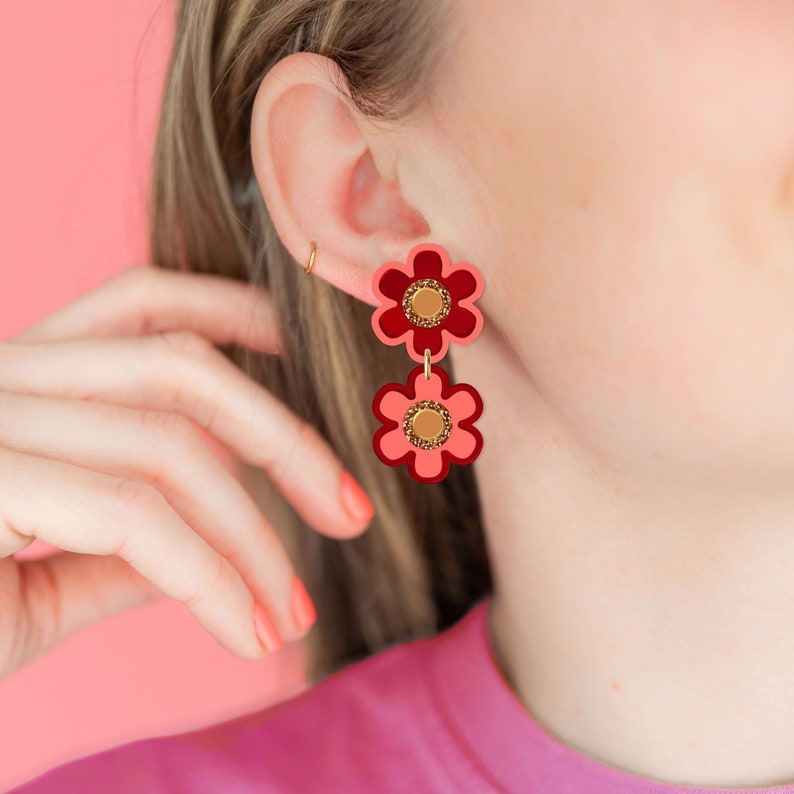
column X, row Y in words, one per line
column 64, row 592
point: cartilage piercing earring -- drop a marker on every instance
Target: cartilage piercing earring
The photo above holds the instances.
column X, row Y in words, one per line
column 308, row 268
column 427, row 303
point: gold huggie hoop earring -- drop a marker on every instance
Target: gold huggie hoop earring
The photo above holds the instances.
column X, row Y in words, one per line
column 308, row 268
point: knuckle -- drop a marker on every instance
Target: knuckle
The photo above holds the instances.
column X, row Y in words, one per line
column 173, row 441
column 137, row 271
column 207, row 412
column 175, row 428
column 139, row 499
column 137, row 277
column 185, row 343
column 193, row 363
column 137, row 284
column 175, row 445
column 219, row 571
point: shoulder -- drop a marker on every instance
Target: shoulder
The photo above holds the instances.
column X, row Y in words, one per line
column 341, row 734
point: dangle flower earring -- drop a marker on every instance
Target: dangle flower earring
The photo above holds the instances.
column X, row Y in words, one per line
column 427, row 423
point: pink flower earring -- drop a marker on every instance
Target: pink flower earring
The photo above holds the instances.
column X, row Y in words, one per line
column 428, row 423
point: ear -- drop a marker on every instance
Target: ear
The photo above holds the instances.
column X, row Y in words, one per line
column 328, row 174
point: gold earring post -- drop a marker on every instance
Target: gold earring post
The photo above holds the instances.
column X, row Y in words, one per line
column 308, row 268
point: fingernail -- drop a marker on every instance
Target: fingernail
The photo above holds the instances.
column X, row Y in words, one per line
column 355, row 500
column 266, row 629
column 302, row 607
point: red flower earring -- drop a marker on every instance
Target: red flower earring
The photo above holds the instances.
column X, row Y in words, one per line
column 428, row 423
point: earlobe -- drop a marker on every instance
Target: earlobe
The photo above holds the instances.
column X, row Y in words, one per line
column 323, row 175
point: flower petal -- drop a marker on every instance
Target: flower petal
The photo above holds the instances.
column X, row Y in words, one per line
column 393, row 322
column 394, row 404
column 460, row 322
column 461, row 405
column 427, row 337
column 428, row 462
column 461, row 283
column 393, row 284
column 394, row 444
column 427, row 389
column 427, row 264
column 461, row 443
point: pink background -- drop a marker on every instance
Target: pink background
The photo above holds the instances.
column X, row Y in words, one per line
column 80, row 86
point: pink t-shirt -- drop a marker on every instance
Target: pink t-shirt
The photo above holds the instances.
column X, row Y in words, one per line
column 430, row 715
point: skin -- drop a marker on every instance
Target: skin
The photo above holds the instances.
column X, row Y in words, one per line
column 622, row 174
column 107, row 406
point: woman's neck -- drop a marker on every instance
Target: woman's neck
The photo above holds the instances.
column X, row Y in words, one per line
column 647, row 624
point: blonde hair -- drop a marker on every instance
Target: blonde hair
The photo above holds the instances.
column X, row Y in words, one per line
column 423, row 562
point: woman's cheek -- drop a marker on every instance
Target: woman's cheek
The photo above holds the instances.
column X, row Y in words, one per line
column 646, row 330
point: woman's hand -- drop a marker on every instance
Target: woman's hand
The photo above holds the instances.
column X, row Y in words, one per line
column 99, row 457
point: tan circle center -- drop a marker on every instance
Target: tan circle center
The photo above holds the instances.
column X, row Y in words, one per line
column 426, row 302
column 427, row 423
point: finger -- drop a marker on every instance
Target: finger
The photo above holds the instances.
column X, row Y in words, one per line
column 94, row 513
column 63, row 592
column 167, row 451
column 144, row 299
column 183, row 373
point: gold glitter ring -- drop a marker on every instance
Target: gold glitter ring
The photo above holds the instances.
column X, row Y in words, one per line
column 427, row 286
column 443, row 417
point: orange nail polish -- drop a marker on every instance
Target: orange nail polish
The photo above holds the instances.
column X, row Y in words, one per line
column 266, row 629
column 356, row 502
column 302, row 607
